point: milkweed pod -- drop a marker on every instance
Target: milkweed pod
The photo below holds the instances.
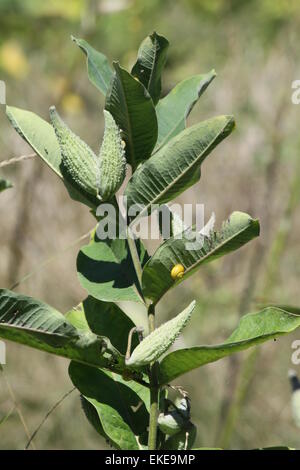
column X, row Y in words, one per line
column 172, row 422
column 112, row 159
column 177, row 271
column 183, row 440
column 155, row 344
column 80, row 166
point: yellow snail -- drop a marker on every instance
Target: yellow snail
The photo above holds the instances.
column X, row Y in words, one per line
column 177, row 271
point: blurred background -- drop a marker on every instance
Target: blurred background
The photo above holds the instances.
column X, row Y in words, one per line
column 253, row 45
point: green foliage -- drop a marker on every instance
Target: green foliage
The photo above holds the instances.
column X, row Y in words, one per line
column 173, row 110
column 253, row 329
column 123, row 395
column 152, row 56
column 239, row 229
column 132, row 108
column 36, row 324
column 168, row 172
column 106, row 270
column 99, row 71
column 122, row 407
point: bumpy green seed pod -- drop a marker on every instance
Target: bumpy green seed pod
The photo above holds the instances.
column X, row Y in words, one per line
column 80, row 166
column 112, row 159
column 155, row 344
column 183, row 440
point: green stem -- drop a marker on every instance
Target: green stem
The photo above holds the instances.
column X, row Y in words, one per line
column 154, row 388
column 134, row 255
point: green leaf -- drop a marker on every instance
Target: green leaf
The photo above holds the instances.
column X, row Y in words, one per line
column 100, row 72
column 239, row 229
column 173, row 110
column 151, row 60
column 252, row 330
column 93, row 417
column 4, row 184
column 33, row 323
column 121, row 406
column 132, row 108
column 103, row 319
column 40, row 135
column 106, row 271
column 287, row 308
column 167, row 173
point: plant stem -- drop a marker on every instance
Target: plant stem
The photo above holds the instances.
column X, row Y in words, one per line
column 134, row 255
column 154, row 388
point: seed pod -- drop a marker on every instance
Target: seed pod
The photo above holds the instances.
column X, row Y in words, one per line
column 112, row 159
column 80, row 166
column 177, row 271
column 183, row 440
column 172, row 422
column 155, row 344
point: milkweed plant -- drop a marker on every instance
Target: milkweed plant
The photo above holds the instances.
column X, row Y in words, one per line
column 119, row 359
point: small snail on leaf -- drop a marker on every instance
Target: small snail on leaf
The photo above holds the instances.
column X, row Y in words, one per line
column 177, row 271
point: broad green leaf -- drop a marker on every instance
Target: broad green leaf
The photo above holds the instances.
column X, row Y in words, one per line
column 106, row 271
column 33, row 323
column 100, row 72
column 252, row 330
column 173, row 110
column 40, row 135
column 239, row 229
column 121, row 405
column 103, row 319
column 167, row 173
column 132, row 108
column 151, row 60
column 93, row 418
column 4, row 184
